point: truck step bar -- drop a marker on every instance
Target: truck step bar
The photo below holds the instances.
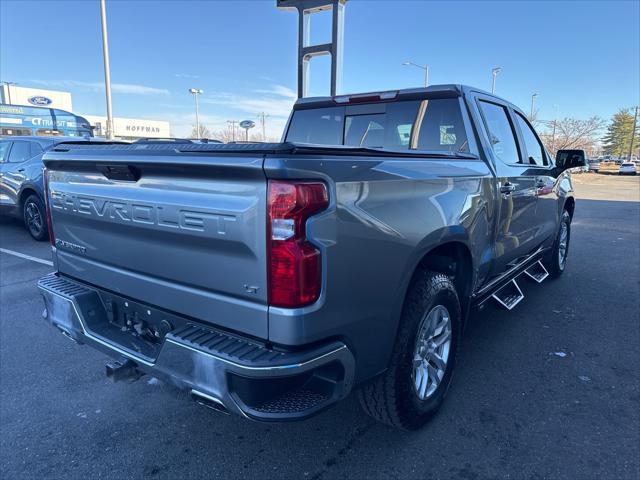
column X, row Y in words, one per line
column 509, row 295
column 537, row 272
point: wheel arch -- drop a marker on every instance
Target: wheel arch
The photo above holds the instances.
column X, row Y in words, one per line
column 25, row 192
column 570, row 206
column 450, row 254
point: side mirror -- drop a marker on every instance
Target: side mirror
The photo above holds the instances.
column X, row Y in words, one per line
column 566, row 159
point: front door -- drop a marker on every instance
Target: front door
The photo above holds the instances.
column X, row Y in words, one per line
column 541, row 167
column 13, row 171
column 5, row 148
column 516, row 184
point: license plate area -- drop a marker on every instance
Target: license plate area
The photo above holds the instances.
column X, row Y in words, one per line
column 132, row 326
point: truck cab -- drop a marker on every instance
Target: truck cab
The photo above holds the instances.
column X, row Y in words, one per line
column 271, row 280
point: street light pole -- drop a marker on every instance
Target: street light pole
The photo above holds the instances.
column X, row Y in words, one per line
column 107, row 68
column 494, row 73
column 533, row 102
column 423, row 67
column 633, row 135
column 196, row 92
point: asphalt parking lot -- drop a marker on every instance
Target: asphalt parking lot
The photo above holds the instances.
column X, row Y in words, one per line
column 550, row 390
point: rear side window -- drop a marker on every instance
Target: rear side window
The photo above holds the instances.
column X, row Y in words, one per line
column 20, row 152
column 36, row 149
column 531, row 143
column 435, row 125
column 500, row 133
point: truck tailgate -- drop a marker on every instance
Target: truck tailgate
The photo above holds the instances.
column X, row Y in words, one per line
column 180, row 231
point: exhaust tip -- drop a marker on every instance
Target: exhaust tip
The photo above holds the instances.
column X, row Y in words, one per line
column 208, row 401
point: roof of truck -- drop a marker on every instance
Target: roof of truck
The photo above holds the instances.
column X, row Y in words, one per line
column 433, row 91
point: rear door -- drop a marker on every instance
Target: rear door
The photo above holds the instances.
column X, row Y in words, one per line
column 515, row 226
column 183, row 232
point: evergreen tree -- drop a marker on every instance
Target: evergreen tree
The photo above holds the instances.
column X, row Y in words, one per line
column 616, row 140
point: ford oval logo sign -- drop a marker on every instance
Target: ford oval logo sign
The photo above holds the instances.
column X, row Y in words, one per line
column 40, row 101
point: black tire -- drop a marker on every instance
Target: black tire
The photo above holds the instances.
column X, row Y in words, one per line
column 392, row 398
column 552, row 261
column 35, row 218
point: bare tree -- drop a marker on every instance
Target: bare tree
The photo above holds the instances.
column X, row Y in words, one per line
column 572, row 133
column 204, row 132
column 228, row 136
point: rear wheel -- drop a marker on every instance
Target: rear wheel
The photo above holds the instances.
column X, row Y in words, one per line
column 414, row 386
column 35, row 219
column 556, row 259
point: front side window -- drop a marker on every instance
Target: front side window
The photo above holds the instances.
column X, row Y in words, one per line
column 4, row 149
column 533, row 146
column 500, row 133
column 20, row 152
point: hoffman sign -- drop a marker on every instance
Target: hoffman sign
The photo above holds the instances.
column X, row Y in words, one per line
column 131, row 127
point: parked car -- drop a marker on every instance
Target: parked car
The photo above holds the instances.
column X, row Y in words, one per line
column 627, row 168
column 21, row 188
column 594, row 165
column 270, row 280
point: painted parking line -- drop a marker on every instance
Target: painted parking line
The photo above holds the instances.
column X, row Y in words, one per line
column 27, row 257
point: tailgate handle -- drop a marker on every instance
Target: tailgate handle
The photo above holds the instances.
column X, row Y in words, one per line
column 120, row 172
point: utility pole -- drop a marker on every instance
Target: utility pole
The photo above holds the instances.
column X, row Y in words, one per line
column 232, row 124
column 107, row 68
column 533, row 102
column 263, row 120
column 494, row 73
column 633, row 135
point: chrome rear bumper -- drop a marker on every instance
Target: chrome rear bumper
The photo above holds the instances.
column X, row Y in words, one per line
column 241, row 374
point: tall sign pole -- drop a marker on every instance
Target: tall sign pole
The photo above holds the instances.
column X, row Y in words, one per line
column 107, row 68
column 307, row 51
column 633, row 135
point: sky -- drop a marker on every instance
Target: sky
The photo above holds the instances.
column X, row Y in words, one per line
column 581, row 57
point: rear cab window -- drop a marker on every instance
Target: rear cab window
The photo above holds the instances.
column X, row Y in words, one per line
column 423, row 125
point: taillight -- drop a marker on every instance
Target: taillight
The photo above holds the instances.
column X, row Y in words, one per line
column 45, row 176
column 295, row 270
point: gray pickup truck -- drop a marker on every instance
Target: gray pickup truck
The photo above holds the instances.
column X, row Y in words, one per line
column 271, row 280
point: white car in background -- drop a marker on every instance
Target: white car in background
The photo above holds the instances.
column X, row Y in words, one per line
column 627, row 168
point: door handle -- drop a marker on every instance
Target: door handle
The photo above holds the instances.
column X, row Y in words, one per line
column 507, row 188
column 21, row 170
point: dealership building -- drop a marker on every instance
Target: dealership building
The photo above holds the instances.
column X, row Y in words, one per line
column 123, row 128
